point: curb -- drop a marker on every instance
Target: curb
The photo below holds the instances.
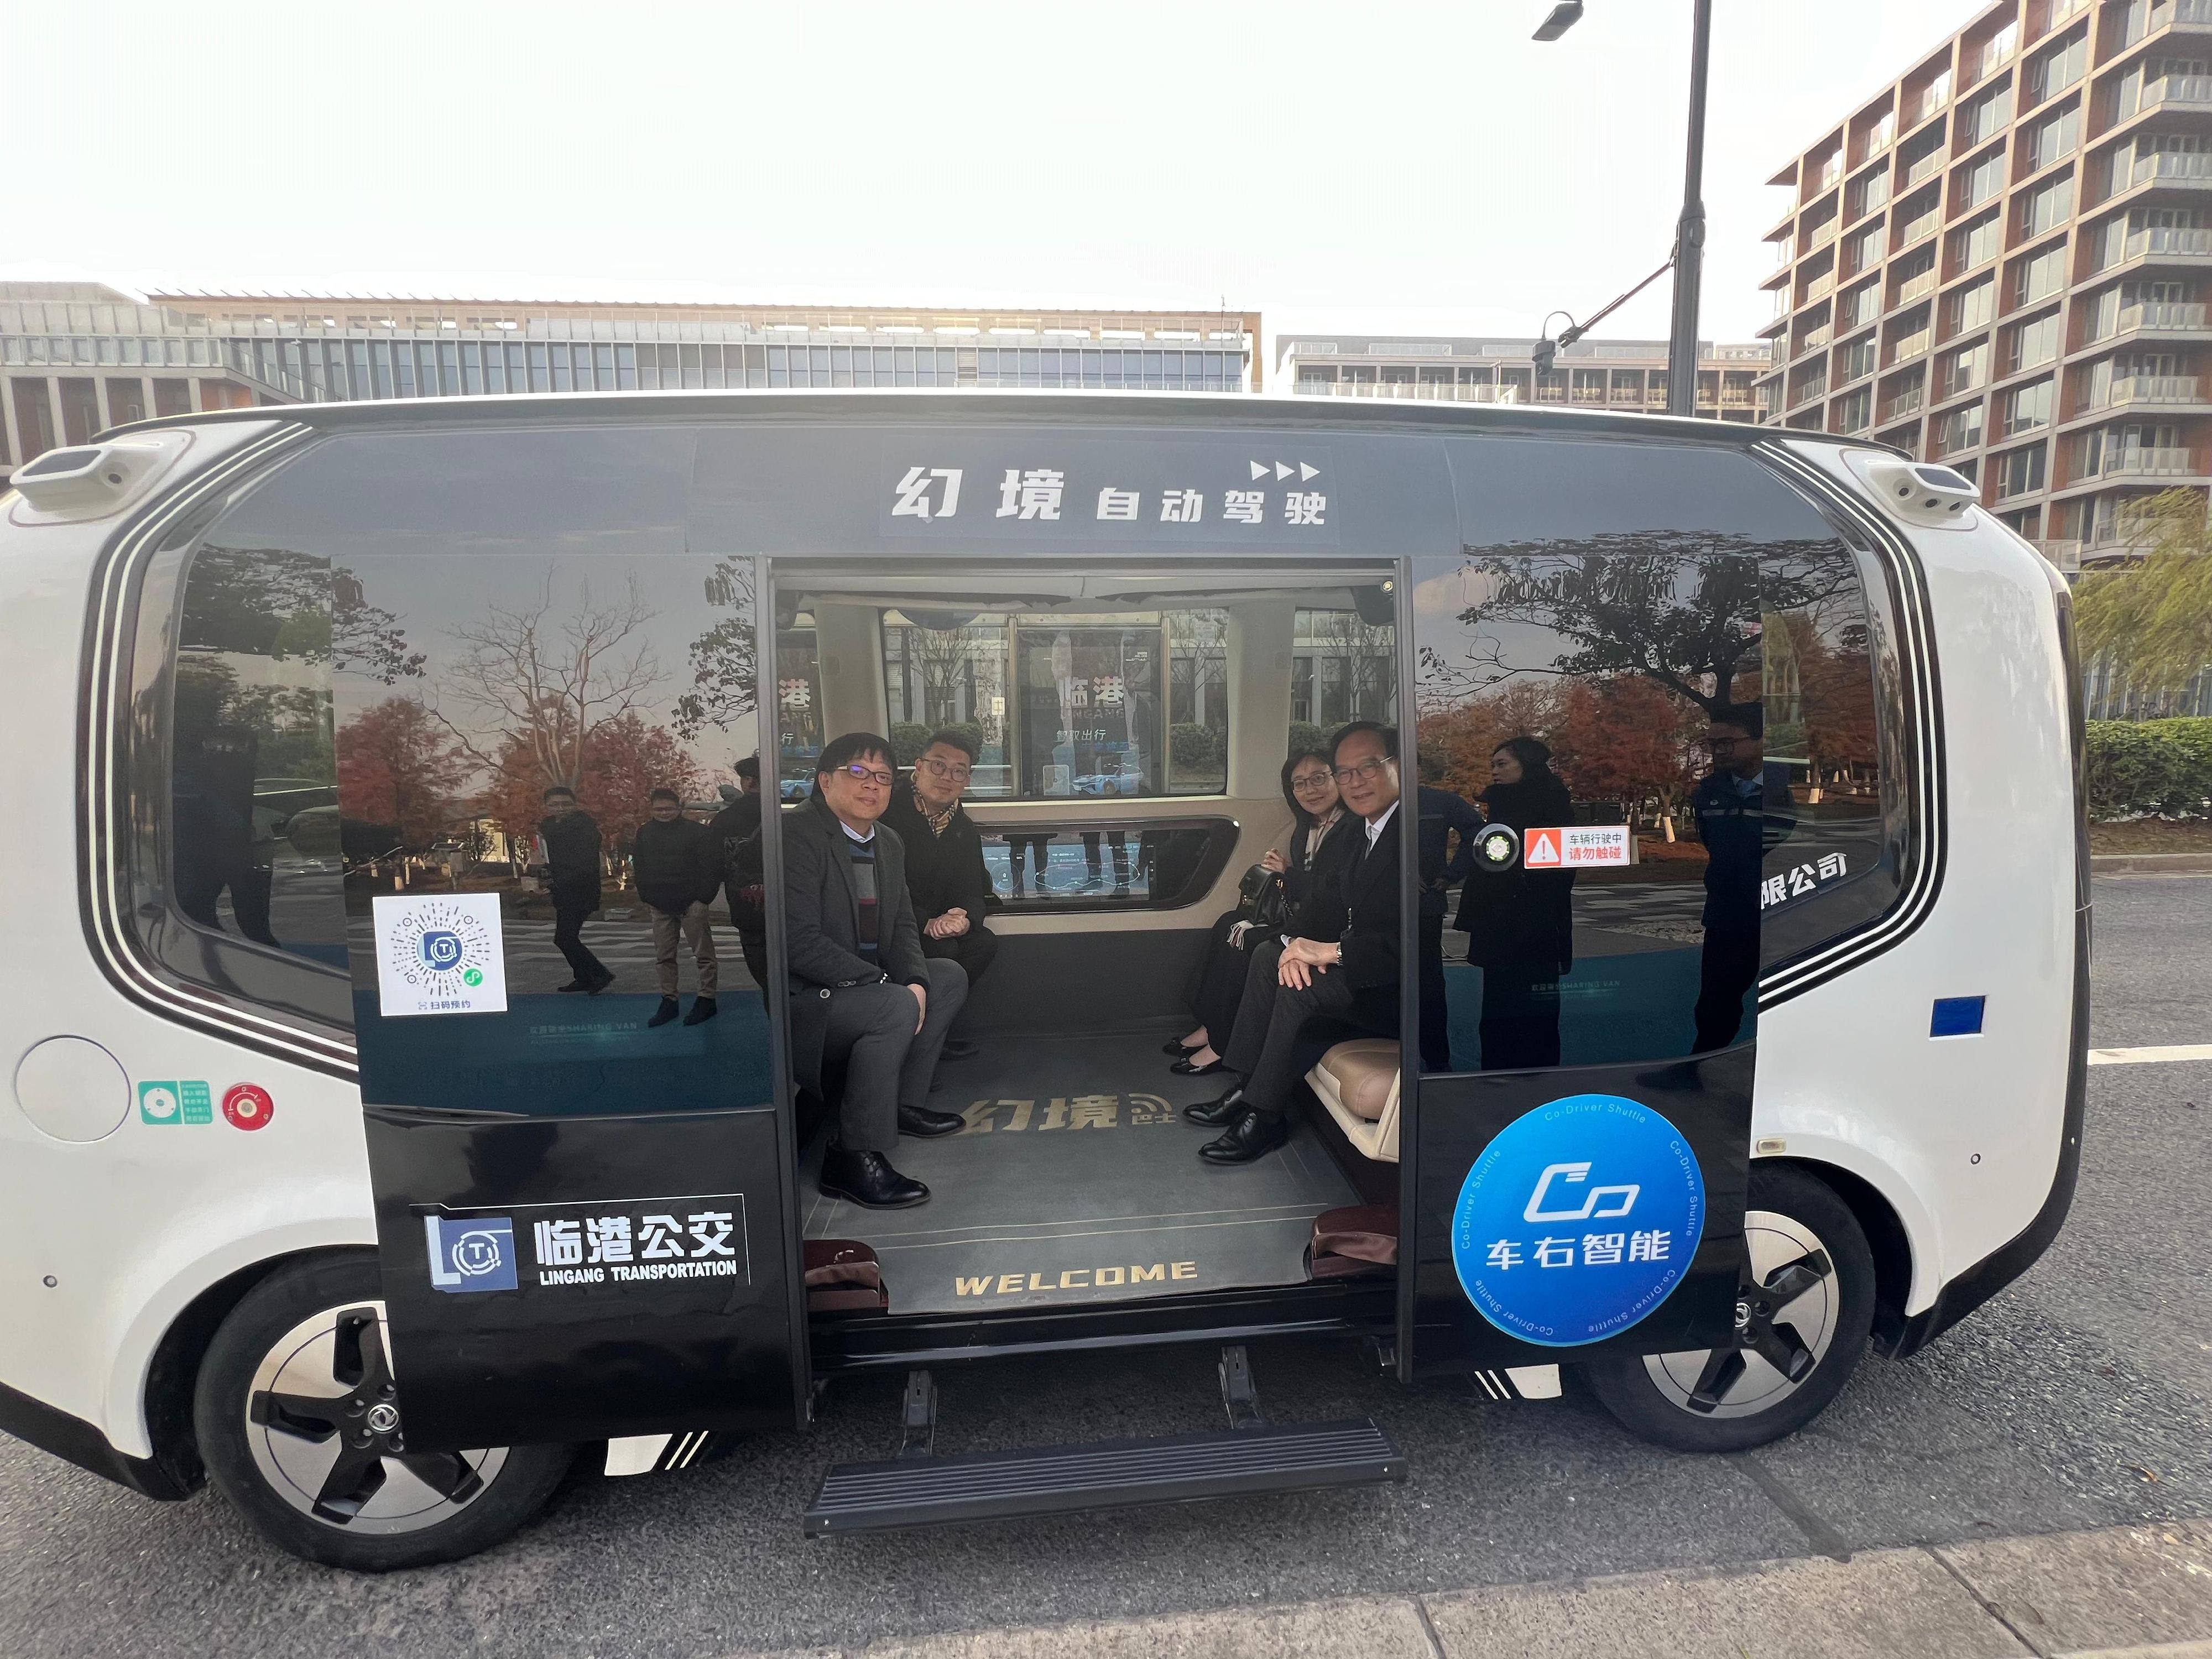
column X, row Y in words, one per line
column 2150, row 864
column 2122, row 1592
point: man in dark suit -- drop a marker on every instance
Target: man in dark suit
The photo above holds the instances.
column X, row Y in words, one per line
column 571, row 870
column 945, row 869
column 861, row 990
column 1343, row 967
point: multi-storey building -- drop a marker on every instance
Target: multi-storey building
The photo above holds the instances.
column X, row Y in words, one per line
column 1626, row 374
column 78, row 357
column 2001, row 262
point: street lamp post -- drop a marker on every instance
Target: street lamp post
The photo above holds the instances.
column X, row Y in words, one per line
column 1689, row 256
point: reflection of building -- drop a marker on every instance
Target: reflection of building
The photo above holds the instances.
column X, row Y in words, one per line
column 1997, row 262
column 1342, row 668
column 1626, row 374
column 79, row 357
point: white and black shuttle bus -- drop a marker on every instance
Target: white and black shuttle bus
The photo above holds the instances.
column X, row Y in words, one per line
column 1739, row 971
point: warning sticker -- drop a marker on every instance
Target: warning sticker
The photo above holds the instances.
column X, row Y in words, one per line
column 1576, row 846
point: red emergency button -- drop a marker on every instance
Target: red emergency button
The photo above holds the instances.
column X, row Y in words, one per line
column 247, row 1106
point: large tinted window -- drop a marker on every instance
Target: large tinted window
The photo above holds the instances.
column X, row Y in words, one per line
column 1664, row 676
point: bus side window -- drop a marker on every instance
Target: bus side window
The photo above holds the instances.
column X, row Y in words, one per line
column 1831, row 749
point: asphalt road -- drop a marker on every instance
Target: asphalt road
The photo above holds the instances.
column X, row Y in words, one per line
column 2081, row 1398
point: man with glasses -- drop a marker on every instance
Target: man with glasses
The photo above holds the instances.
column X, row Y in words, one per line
column 1343, row 969
column 863, row 994
column 945, row 872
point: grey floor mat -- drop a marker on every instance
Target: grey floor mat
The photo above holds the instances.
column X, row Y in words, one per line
column 1078, row 1180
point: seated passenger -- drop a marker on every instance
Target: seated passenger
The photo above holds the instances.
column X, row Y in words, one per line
column 1318, row 824
column 862, row 992
column 945, row 872
column 1342, row 966
column 677, row 876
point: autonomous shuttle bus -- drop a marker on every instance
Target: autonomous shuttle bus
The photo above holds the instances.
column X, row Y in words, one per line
column 1738, row 963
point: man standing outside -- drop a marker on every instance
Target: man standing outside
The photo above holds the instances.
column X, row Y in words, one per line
column 1347, row 971
column 677, row 875
column 734, row 848
column 862, row 992
column 1741, row 811
column 945, row 872
column 571, row 838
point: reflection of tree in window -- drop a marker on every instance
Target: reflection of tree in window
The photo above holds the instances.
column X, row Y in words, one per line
column 724, row 678
column 253, row 816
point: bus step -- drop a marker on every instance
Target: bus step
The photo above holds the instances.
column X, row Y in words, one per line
column 925, row 1491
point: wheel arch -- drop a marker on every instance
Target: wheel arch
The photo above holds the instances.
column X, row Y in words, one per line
column 1886, row 1237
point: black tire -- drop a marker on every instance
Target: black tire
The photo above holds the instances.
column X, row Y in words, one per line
column 1731, row 1399
column 266, row 1437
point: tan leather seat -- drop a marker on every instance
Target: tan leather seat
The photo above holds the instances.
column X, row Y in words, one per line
column 1357, row 1082
column 842, row 1276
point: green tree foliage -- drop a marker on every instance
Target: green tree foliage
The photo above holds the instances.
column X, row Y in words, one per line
column 2155, row 617
column 2137, row 768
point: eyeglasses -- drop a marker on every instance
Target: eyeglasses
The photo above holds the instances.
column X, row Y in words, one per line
column 1719, row 744
column 1370, row 769
column 1310, row 780
column 860, row 773
column 959, row 771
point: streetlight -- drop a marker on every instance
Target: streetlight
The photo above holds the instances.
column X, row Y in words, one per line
column 1688, row 259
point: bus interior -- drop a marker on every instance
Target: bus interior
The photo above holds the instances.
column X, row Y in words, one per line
column 1132, row 727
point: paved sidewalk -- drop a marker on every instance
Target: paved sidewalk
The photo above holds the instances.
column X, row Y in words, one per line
column 2126, row 1593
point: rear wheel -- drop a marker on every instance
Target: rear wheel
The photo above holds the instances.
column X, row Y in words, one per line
column 1804, row 1312
column 299, row 1419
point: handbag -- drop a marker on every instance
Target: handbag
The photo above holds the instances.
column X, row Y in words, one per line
column 1261, row 898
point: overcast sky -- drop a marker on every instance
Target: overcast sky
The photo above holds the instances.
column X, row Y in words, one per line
column 1392, row 166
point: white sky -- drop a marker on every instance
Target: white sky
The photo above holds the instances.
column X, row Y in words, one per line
column 1394, row 166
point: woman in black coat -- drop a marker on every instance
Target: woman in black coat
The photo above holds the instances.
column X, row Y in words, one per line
column 1520, row 922
column 1319, row 831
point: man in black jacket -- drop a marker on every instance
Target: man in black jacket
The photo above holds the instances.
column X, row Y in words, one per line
column 572, row 877
column 677, row 875
column 945, row 872
column 1343, row 968
column 861, row 990
column 734, row 835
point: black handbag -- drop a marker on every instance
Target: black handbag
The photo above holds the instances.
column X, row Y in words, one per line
column 1261, row 898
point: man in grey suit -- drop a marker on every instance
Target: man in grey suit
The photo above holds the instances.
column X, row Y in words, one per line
column 862, row 990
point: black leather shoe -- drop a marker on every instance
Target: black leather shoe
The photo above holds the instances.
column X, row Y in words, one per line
column 573, row 985
column 1220, row 1114
column 606, row 978
column 1252, row 1137
column 664, row 1013
column 868, row 1180
column 925, row 1125
column 703, row 1010
column 1184, row 1068
column 1177, row 1049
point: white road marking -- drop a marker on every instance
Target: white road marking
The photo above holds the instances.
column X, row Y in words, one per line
column 2150, row 1056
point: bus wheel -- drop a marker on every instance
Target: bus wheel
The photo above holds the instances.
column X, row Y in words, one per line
column 1804, row 1312
column 300, row 1423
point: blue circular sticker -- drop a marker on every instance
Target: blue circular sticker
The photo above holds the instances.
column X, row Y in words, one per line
column 1577, row 1220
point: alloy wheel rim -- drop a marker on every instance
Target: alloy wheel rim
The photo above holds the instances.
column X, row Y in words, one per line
column 1787, row 1308
column 324, row 1423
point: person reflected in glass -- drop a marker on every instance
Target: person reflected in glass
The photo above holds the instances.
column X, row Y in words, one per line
column 945, row 872
column 570, row 837
column 1025, row 850
column 1117, row 843
column 1519, row 922
column 1444, row 864
column 1743, row 809
column 863, row 996
column 733, row 838
column 677, row 872
column 1341, row 969
column 1321, row 829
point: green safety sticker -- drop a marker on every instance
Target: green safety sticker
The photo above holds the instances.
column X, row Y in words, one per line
column 190, row 1102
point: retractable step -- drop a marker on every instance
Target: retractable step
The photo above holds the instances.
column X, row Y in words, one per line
column 916, row 1491
column 918, row 1488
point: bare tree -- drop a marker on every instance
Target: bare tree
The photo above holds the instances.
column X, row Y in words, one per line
column 550, row 680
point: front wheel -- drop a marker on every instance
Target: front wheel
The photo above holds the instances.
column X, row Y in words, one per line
column 1804, row 1312
column 299, row 1419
